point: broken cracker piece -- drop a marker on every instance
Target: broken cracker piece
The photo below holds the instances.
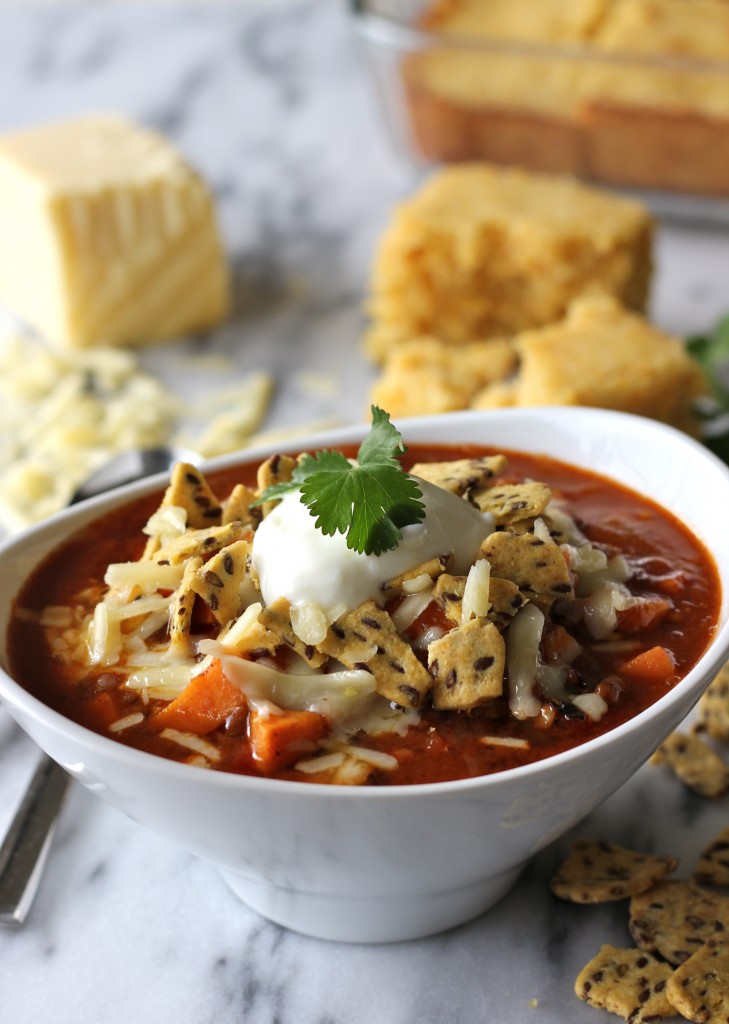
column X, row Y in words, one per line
column 713, row 864
column 219, row 581
column 506, row 600
column 536, row 566
column 699, row 988
column 695, row 763
column 675, row 918
column 713, row 707
column 182, row 606
column 462, row 475
column 510, row 503
column 627, row 982
column 189, row 489
column 200, row 542
column 407, row 582
column 468, row 666
column 596, row 871
column 448, row 595
column 277, row 619
column 237, row 507
column 277, row 469
column 399, row 676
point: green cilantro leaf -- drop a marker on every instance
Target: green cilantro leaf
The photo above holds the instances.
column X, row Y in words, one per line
column 369, row 502
column 711, row 351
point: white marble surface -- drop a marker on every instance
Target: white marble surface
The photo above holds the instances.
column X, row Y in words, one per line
column 271, row 102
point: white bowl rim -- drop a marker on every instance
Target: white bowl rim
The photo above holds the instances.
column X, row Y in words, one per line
column 715, row 655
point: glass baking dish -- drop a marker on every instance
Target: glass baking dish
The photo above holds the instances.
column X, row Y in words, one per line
column 656, row 125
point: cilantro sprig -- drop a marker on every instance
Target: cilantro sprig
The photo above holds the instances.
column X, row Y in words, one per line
column 369, row 502
column 711, row 351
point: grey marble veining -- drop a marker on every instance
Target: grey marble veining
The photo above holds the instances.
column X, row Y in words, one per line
column 271, row 102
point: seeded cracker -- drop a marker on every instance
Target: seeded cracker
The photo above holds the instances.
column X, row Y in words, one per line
column 627, row 982
column 596, row 872
column 695, row 763
column 713, row 865
column 699, row 988
column 713, row 707
column 448, row 595
column 276, row 470
column 399, row 676
column 277, row 618
column 506, row 600
column 510, row 503
column 237, row 507
column 190, row 490
column 537, row 567
column 674, row 918
column 200, row 542
column 462, row 475
column 468, row 666
column 219, row 581
column 433, row 568
column 182, row 606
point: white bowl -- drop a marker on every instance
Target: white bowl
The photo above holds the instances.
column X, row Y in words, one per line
column 382, row 864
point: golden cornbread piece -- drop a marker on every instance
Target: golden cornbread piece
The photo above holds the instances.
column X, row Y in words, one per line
column 426, row 375
column 468, row 103
column 480, row 252
column 108, row 235
column 603, row 355
column 645, row 123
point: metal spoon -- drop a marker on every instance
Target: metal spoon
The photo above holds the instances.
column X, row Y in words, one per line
column 26, row 844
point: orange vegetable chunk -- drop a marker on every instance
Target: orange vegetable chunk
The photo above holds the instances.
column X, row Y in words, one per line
column 654, row 665
column 279, row 739
column 203, row 705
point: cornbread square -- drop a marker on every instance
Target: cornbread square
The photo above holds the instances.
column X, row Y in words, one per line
column 603, row 355
column 646, row 122
column 108, row 235
column 466, row 104
column 429, row 376
column 481, row 252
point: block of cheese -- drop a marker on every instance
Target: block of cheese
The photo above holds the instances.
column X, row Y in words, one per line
column 107, row 235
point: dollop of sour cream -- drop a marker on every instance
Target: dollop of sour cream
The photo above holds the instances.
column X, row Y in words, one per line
column 297, row 561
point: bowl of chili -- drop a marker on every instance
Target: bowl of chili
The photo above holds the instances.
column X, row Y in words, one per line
column 428, row 821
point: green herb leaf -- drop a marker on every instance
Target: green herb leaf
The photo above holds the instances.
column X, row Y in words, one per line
column 369, row 502
column 711, row 351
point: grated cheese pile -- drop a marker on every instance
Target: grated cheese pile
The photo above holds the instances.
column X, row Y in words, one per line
column 64, row 414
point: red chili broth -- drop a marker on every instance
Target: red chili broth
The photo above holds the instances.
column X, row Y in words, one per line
column 443, row 746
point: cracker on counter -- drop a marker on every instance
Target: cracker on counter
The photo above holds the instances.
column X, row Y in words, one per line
column 237, row 507
column 189, row 489
column 219, row 581
column 596, row 871
column 461, row 476
column 468, row 666
column 676, row 917
column 537, row 567
column 182, row 606
column 277, row 619
column 695, row 763
column 713, row 864
column 510, row 503
column 628, row 982
column 200, row 542
column 713, row 707
column 415, row 579
column 399, row 676
column 699, row 988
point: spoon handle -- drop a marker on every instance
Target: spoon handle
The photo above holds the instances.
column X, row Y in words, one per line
column 26, row 844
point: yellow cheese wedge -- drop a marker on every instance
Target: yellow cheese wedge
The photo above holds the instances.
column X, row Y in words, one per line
column 107, row 235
